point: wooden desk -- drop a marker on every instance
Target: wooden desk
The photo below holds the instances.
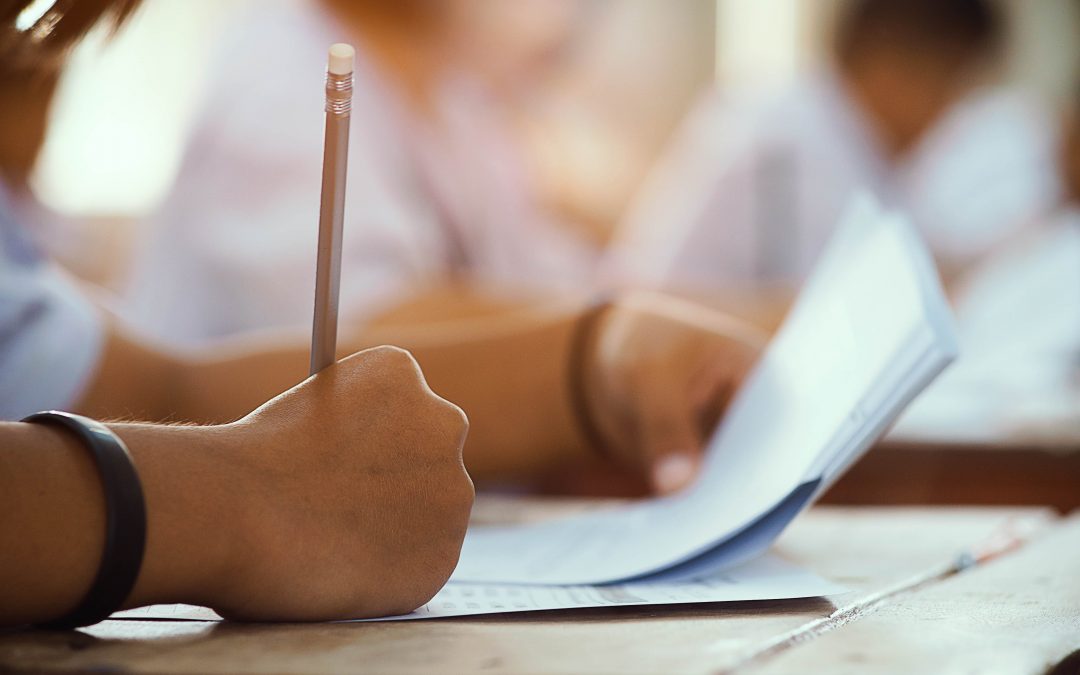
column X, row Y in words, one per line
column 1015, row 473
column 966, row 463
column 1007, row 472
column 1019, row 613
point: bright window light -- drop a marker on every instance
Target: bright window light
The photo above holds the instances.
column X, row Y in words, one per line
column 759, row 42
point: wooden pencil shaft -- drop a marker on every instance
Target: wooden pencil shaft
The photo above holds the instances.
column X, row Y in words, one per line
column 331, row 221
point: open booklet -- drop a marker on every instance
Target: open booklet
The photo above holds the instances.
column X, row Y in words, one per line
column 871, row 328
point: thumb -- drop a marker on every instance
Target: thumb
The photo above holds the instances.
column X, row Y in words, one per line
column 671, row 444
column 674, row 471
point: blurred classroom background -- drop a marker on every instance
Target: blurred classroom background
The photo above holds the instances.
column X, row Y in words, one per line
column 604, row 116
column 592, row 130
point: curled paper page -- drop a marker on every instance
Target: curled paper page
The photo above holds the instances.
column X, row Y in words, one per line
column 870, row 330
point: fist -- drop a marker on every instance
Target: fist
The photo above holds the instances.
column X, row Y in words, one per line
column 355, row 498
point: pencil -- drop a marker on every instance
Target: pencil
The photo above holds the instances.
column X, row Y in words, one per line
column 339, row 85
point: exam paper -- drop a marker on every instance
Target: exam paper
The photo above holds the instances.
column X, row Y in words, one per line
column 767, row 578
column 869, row 331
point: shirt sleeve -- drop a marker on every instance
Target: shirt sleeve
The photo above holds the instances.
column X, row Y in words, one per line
column 232, row 249
column 51, row 337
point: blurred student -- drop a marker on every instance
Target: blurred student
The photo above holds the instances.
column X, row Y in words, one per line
column 438, row 196
column 1018, row 315
column 346, row 493
column 749, row 193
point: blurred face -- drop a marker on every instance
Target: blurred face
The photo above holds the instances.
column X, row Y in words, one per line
column 511, row 41
column 506, row 41
column 905, row 92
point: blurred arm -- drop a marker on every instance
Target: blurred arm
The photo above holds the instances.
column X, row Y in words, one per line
column 507, row 371
column 658, row 375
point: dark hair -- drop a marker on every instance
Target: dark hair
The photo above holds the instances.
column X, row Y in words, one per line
column 965, row 28
column 43, row 44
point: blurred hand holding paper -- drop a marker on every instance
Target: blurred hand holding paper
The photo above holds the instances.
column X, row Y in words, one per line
column 870, row 330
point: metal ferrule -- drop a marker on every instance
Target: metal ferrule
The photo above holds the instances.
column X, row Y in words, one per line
column 339, row 94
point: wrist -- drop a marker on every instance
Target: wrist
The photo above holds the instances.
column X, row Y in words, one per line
column 193, row 524
column 585, row 381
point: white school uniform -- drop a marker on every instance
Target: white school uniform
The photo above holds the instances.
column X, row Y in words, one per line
column 750, row 191
column 50, row 336
column 233, row 247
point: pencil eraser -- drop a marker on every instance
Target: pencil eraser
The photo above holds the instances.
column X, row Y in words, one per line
column 341, row 59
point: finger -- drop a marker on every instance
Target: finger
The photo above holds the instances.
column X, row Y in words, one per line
column 674, row 472
column 711, row 392
column 717, row 380
column 670, row 438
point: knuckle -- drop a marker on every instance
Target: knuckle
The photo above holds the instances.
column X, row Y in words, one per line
column 394, row 357
column 456, row 496
column 378, row 353
column 467, row 489
column 399, row 374
column 451, row 419
column 456, row 417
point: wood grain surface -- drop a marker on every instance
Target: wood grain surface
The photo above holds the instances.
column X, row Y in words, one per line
column 1019, row 614
column 888, row 557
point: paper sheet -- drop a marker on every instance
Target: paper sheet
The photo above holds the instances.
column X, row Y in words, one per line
column 870, row 330
column 767, row 578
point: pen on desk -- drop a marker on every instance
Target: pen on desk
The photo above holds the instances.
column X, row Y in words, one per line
column 339, row 86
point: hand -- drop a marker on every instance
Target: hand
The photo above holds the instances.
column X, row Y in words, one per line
column 352, row 495
column 662, row 371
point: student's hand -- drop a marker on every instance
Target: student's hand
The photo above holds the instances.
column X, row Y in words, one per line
column 661, row 373
column 352, row 495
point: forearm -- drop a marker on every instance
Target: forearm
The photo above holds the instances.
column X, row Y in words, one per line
column 510, row 378
column 53, row 528
column 132, row 381
column 450, row 302
column 507, row 372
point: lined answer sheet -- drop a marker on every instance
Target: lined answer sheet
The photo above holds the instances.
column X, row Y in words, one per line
column 767, row 578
